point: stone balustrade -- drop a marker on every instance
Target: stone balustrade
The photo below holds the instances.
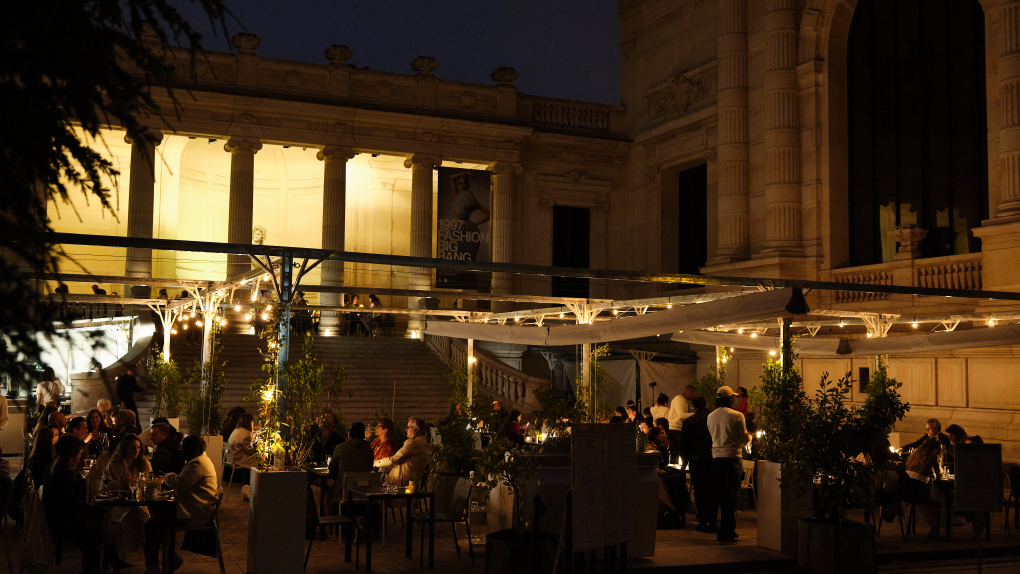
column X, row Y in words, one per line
column 516, row 390
column 866, row 276
column 950, row 272
column 959, row 272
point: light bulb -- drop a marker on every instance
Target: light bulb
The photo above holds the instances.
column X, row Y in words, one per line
column 264, row 316
column 198, row 323
column 670, row 306
column 269, row 308
column 869, row 335
column 731, row 349
column 914, row 325
column 173, row 331
column 840, row 323
column 185, row 326
column 753, row 335
column 237, row 307
column 247, row 317
column 192, row 314
column 561, row 315
column 773, row 353
column 223, row 321
column 740, row 331
column 615, row 312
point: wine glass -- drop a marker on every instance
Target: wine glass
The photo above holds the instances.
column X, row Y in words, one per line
column 106, row 481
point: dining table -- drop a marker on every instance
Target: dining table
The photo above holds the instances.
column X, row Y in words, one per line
column 165, row 505
column 373, row 494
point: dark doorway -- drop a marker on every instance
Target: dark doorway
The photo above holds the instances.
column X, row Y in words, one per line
column 917, row 127
column 571, row 248
column 693, row 219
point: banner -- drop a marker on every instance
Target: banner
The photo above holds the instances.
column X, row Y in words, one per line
column 464, row 229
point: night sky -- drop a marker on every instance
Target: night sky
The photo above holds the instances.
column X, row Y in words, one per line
column 562, row 48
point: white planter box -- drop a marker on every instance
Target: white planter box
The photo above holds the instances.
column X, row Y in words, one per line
column 276, row 522
column 778, row 511
column 214, row 448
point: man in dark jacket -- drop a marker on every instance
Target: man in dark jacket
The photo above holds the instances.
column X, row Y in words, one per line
column 696, row 452
column 127, row 386
column 353, row 455
column 932, row 429
column 166, row 453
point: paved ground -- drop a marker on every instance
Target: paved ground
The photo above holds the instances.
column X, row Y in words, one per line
column 683, row 551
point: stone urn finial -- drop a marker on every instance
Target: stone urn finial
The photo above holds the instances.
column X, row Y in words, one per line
column 504, row 77
column 245, row 42
column 909, row 237
column 424, row 65
column 338, row 54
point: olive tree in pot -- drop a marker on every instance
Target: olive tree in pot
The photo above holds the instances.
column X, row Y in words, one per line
column 514, row 549
column 166, row 382
column 834, row 449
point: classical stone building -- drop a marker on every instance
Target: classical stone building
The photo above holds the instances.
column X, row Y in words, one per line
column 870, row 141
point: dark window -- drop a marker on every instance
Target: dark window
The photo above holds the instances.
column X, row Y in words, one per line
column 916, row 126
column 693, row 220
column 863, row 378
column 571, row 246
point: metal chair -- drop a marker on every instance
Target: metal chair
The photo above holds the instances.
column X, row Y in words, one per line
column 1013, row 498
column 330, row 521
column 747, row 481
column 228, row 460
column 212, row 525
column 459, row 503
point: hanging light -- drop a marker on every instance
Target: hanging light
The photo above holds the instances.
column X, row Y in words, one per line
column 192, row 314
column 264, row 316
column 269, row 308
column 173, row 331
column 237, row 307
column 185, row 326
column 773, row 353
column 247, row 317
column 223, row 322
column 869, row 335
column 914, row 324
column 753, row 335
column 740, row 331
column 198, row 323
column 561, row 315
column 670, row 306
column 991, row 322
column 731, row 349
column 615, row 312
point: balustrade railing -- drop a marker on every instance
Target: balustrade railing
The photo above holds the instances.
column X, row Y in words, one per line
column 951, row 272
column 878, row 277
column 956, row 273
column 572, row 115
column 515, row 389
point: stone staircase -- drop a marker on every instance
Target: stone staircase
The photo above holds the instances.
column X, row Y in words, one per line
column 399, row 375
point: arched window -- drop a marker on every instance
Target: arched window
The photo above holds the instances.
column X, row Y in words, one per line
column 917, row 129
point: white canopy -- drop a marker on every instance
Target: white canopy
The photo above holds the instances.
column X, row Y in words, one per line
column 754, row 306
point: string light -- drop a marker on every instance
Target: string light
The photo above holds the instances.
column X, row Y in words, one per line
column 753, row 335
column 198, row 323
column 740, row 331
column 869, row 335
column 237, row 307
column 264, row 316
column 185, row 326
column 269, row 308
column 773, row 353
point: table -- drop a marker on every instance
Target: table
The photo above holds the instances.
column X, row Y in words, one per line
column 162, row 507
column 373, row 494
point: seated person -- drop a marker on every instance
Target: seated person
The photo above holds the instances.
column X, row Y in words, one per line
column 166, row 452
column 352, row 455
column 382, row 444
column 411, row 459
column 512, row 429
column 67, row 513
column 932, row 429
column 41, row 457
column 922, row 467
column 105, row 408
column 327, row 438
column 242, row 452
column 195, row 490
column 124, row 423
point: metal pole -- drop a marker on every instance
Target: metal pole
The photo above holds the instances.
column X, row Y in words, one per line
column 787, row 350
column 586, row 379
column 286, row 264
column 470, row 371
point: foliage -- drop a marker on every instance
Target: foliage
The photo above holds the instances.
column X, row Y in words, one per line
column 503, row 463
column 833, row 440
column 556, row 416
column 591, row 401
column 782, row 403
column 202, row 406
column 302, row 398
column 166, row 380
column 71, row 68
column 707, row 386
column 456, row 450
column 456, row 382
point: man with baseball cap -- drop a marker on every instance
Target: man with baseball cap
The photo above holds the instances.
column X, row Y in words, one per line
column 729, row 436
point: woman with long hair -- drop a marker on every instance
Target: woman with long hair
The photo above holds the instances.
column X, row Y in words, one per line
column 230, row 422
column 97, row 431
column 126, row 522
column 382, row 445
column 41, row 458
column 128, row 460
column 65, row 505
column 44, row 419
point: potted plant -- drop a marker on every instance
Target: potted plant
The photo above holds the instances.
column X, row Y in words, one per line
column 780, row 402
column 513, row 549
column 834, row 448
column 166, row 382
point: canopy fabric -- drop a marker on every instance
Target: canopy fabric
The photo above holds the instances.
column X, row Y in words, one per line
column 670, row 378
column 623, row 375
column 942, row 341
column 758, row 306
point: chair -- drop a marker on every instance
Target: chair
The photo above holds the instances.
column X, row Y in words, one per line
column 1013, row 498
column 459, row 504
column 228, row 460
column 212, row 525
column 747, row 481
column 328, row 521
column 387, row 325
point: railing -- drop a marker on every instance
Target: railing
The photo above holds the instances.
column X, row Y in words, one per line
column 878, row 277
column 492, row 376
column 956, row 273
column 571, row 115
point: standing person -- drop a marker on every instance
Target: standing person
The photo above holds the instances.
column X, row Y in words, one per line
column 661, row 408
column 41, row 456
column 729, row 436
column 382, row 445
column 696, row 452
column 512, row 429
column 679, row 409
column 740, row 401
column 127, row 386
column 195, row 491
column 48, row 390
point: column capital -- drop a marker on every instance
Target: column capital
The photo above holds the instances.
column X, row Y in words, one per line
column 422, row 160
column 335, row 152
column 507, row 168
column 252, row 145
column 153, row 136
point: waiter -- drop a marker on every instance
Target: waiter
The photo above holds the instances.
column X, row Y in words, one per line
column 127, row 386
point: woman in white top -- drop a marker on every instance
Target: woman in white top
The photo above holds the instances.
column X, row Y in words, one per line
column 48, row 390
column 241, row 450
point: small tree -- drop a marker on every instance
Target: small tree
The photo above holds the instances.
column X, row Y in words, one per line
column 166, row 379
column 592, row 401
column 504, row 464
column 782, row 404
column 203, row 406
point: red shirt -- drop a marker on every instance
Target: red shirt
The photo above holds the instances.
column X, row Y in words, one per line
column 382, row 449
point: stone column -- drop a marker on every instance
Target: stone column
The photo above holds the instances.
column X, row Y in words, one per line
column 502, row 223
column 334, row 214
column 242, row 197
column 734, row 206
column 141, row 191
column 421, row 230
column 1009, row 94
column 782, row 129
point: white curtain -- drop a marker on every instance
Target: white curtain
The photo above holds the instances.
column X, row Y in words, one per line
column 623, row 374
column 671, row 378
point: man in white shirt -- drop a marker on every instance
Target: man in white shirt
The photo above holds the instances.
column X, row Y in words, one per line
column 195, row 489
column 661, row 408
column 680, row 408
column 729, row 436
column 48, row 390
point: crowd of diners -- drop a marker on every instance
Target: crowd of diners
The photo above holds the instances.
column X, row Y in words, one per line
column 106, row 451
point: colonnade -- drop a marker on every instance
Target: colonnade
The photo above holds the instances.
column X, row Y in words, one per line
column 334, row 198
